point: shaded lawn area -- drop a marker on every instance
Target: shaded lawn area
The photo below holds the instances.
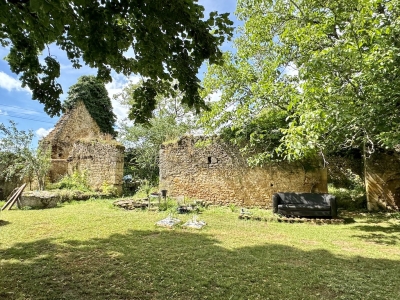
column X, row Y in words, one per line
column 91, row 250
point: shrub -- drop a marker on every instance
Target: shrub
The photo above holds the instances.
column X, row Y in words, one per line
column 108, row 189
column 76, row 181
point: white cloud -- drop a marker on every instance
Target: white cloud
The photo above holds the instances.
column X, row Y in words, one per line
column 3, row 113
column 215, row 97
column 42, row 132
column 9, row 83
column 115, row 87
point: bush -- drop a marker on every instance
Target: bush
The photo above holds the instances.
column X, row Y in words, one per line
column 108, row 189
column 349, row 199
column 354, row 196
column 76, row 181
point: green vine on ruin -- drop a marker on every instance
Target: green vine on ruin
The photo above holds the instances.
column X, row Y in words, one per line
column 92, row 92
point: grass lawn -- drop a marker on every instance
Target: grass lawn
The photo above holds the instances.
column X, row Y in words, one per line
column 91, row 250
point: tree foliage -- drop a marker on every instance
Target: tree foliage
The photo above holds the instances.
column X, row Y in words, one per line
column 169, row 121
column 333, row 66
column 94, row 95
column 170, row 40
column 19, row 159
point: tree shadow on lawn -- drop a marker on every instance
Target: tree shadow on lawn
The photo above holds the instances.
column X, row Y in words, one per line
column 388, row 235
column 169, row 264
column 3, row 223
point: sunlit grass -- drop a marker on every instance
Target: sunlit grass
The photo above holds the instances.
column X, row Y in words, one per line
column 92, row 250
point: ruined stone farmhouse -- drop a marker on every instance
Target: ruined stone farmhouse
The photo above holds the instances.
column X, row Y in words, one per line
column 217, row 172
column 77, row 144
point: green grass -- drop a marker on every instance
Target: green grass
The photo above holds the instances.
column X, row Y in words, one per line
column 91, row 250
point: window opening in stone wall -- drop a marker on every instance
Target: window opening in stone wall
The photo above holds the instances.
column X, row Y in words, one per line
column 209, row 159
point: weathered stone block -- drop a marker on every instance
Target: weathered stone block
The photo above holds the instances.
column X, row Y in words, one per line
column 39, row 199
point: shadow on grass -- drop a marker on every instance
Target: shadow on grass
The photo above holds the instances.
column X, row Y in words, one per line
column 185, row 265
column 388, row 235
column 3, row 223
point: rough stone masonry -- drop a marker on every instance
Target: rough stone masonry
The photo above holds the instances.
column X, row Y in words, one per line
column 217, row 172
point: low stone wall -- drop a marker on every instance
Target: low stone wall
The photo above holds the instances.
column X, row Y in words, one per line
column 217, row 172
column 104, row 162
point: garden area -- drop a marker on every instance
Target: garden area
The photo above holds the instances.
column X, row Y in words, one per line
column 95, row 250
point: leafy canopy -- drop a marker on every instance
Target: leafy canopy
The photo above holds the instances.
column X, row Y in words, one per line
column 170, row 120
column 94, row 95
column 333, row 66
column 170, row 40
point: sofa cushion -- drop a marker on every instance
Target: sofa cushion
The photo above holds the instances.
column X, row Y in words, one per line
column 304, row 207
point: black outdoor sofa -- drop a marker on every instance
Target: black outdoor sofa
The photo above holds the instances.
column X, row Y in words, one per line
column 305, row 204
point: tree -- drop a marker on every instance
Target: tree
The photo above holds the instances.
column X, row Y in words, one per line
column 92, row 92
column 143, row 141
column 333, row 66
column 170, row 41
column 19, row 159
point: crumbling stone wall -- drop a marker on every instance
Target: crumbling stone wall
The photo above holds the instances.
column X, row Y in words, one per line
column 103, row 160
column 77, row 143
column 217, row 172
column 382, row 180
column 74, row 125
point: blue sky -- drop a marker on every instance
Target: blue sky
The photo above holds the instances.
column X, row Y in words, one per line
column 16, row 102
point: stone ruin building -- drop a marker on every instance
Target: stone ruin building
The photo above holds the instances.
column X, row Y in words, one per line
column 77, row 144
column 218, row 173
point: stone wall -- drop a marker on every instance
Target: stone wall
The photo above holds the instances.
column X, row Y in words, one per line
column 78, row 144
column 104, row 162
column 74, row 125
column 217, row 172
column 382, row 180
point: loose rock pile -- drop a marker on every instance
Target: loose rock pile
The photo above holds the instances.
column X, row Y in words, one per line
column 291, row 220
column 131, row 204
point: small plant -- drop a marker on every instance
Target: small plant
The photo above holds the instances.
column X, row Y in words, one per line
column 145, row 188
column 75, row 181
column 108, row 189
column 232, row 207
column 168, row 205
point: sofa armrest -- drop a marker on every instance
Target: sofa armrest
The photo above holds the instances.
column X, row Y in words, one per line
column 333, row 205
column 275, row 202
